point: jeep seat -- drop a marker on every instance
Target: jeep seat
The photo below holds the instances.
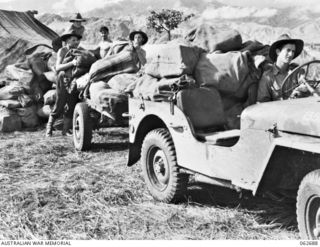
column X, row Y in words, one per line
column 204, row 108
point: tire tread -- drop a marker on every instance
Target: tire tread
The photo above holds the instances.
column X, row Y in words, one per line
column 179, row 180
column 312, row 178
column 84, row 142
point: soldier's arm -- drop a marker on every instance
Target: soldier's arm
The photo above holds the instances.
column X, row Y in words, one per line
column 63, row 66
column 264, row 90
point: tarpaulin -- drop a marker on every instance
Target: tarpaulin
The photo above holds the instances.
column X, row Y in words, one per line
column 18, row 32
column 21, row 25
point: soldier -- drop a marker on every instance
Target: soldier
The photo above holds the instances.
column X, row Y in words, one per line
column 138, row 39
column 76, row 27
column 106, row 43
column 281, row 52
column 64, row 95
column 77, row 24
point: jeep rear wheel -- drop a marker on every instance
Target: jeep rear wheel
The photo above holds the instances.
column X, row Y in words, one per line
column 160, row 168
column 82, row 127
column 308, row 206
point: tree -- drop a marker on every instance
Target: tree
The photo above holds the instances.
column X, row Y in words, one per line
column 166, row 20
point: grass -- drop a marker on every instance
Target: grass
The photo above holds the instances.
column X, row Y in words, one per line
column 50, row 191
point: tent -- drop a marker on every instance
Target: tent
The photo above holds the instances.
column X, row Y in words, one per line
column 18, row 32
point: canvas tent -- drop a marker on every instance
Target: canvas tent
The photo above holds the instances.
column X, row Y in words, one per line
column 18, row 32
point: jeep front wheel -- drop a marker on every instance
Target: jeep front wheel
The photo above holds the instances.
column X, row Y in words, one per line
column 308, row 206
column 160, row 168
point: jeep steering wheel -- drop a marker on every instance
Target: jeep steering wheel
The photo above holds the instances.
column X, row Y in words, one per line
column 302, row 75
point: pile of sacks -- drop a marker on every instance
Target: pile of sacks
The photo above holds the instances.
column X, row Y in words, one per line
column 229, row 68
column 113, row 78
column 17, row 98
column 106, row 82
column 229, row 74
column 169, row 68
column 22, row 91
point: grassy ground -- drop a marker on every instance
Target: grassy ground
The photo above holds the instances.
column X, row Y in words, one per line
column 50, row 191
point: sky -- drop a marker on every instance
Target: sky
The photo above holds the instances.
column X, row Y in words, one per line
column 60, row 6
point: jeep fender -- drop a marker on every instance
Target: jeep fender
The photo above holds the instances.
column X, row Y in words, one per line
column 146, row 116
column 295, row 155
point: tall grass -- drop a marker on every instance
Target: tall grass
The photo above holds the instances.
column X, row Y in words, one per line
column 50, row 191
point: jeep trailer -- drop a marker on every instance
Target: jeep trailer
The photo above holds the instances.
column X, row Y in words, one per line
column 90, row 115
column 277, row 146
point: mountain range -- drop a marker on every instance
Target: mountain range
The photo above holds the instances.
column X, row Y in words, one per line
column 262, row 24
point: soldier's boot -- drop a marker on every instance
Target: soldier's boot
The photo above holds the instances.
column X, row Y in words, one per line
column 49, row 127
column 67, row 125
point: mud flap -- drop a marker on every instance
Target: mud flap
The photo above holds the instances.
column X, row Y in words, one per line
column 134, row 153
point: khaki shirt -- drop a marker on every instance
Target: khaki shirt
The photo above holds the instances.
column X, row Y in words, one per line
column 270, row 85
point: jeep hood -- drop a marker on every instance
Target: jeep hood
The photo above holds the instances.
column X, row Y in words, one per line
column 301, row 116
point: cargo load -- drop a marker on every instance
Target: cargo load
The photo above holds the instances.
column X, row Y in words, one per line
column 95, row 89
column 171, row 60
column 115, row 103
column 11, row 91
column 25, row 100
column 105, row 68
column 10, row 103
column 82, row 82
column 211, row 39
column 9, row 120
column 151, row 88
column 20, row 73
column 50, row 97
column 44, row 111
column 123, row 82
column 231, row 73
column 29, row 117
column 109, row 100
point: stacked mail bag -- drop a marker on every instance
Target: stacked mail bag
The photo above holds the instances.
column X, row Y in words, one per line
column 107, row 81
column 169, row 69
column 17, row 109
column 229, row 66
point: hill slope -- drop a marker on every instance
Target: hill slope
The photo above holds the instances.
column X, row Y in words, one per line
column 264, row 25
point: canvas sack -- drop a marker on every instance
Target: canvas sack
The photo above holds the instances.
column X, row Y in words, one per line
column 115, row 103
column 51, row 76
column 123, row 82
column 82, row 82
column 230, row 73
column 171, row 60
column 50, row 97
column 44, row 111
column 9, row 120
column 151, row 88
column 105, row 68
column 11, row 91
column 10, row 103
column 20, row 73
column 29, row 117
column 95, row 89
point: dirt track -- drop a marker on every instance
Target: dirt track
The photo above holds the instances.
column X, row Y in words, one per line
column 50, row 191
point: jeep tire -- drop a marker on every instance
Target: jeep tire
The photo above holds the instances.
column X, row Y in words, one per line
column 308, row 206
column 82, row 127
column 160, row 169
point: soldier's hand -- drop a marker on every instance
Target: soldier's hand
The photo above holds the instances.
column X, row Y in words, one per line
column 74, row 62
